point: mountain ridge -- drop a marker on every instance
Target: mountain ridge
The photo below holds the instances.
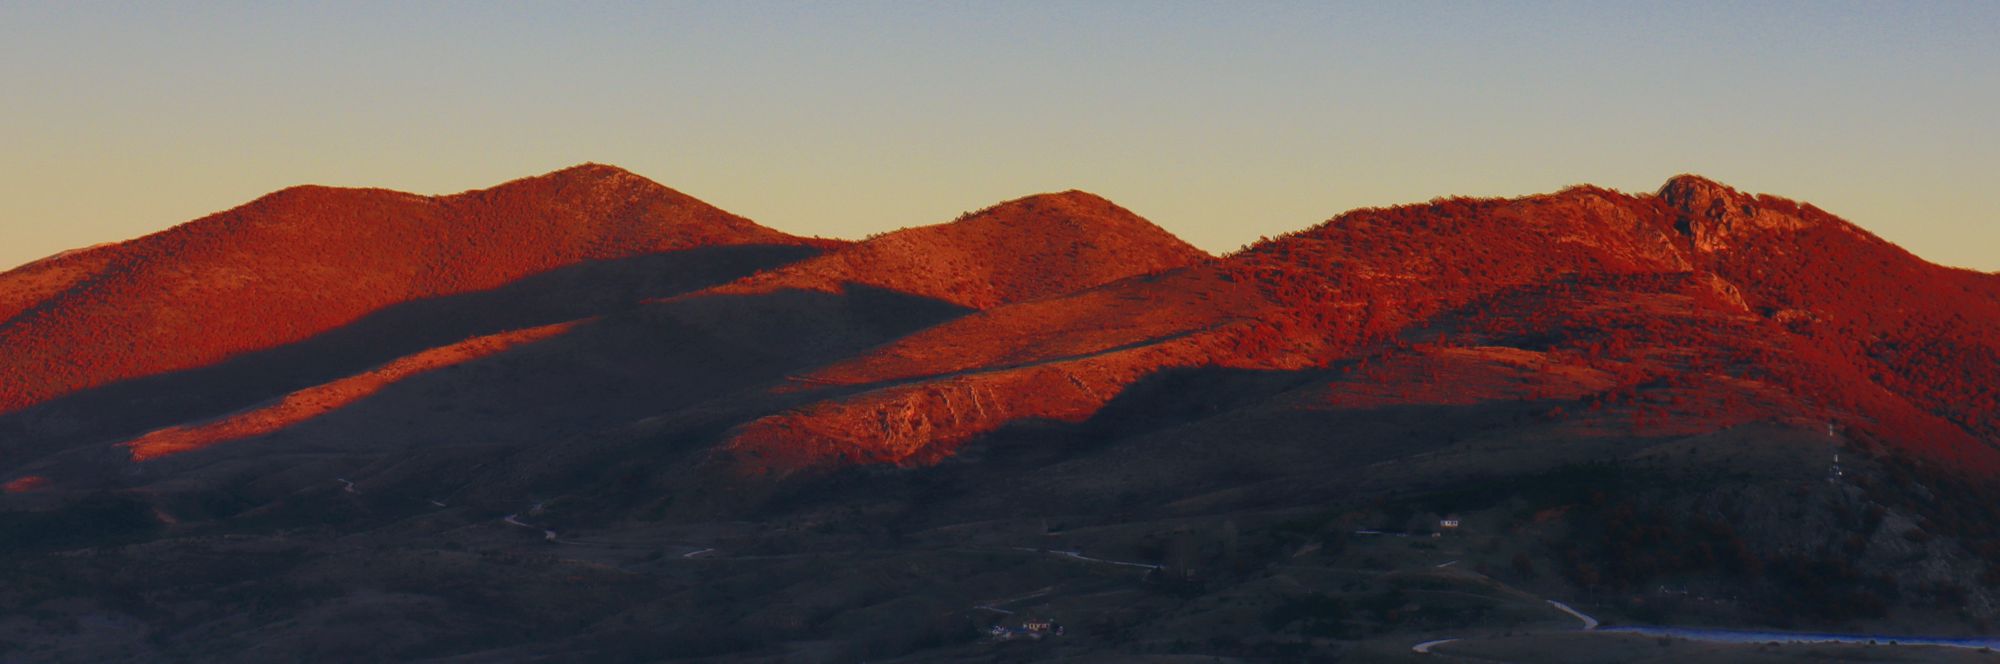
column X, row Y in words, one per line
column 639, row 427
column 1326, row 290
column 1350, row 282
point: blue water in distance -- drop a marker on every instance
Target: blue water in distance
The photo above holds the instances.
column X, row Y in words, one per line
column 1747, row 636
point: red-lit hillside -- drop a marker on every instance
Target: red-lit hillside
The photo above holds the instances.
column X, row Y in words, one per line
column 1024, row 249
column 308, row 260
column 1846, row 326
column 596, row 408
column 1726, row 308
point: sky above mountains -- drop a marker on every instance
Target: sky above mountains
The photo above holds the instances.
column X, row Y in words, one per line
column 1219, row 121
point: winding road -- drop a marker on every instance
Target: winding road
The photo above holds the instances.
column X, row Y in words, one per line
column 1079, row 556
column 1589, row 624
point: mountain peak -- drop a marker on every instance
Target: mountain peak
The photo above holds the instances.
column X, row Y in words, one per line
column 1068, row 215
column 1064, row 197
column 593, row 171
column 1702, row 197
column 1688, row 187
column 1026, row 248
column 594, row 177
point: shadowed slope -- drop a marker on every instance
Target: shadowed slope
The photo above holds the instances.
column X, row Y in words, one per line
column 488, row 398
column 309, row 259
column 1058, row 359
column 129, row 408
column 312, row 402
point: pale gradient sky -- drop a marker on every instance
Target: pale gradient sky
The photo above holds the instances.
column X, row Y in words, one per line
column 1219, row 121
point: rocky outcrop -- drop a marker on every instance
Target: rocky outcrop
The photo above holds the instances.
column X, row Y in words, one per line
column 1715, row 216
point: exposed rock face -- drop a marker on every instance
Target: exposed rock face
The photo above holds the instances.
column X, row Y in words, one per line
column 1725, row 292
column 1716, row 215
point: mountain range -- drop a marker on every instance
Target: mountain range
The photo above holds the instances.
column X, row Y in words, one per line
column 585, row 416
